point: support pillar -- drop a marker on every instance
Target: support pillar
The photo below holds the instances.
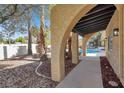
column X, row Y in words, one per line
column 57, row 56
column 74, row 48
column 84, row 41
column 57, row 60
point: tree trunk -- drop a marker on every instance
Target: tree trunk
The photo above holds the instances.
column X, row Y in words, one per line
column 41, row 44
column 29, row 39
column 41, row 39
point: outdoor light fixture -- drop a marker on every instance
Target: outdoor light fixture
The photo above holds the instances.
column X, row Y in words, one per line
column 115, row 32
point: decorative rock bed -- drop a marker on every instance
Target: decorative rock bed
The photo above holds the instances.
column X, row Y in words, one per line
column 109, row 77
column 25, row 76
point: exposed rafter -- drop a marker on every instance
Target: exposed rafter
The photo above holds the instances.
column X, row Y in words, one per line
column 94, row 24
column 95, row 20
column 92, row 30
column 99, row 8
column 96, row 16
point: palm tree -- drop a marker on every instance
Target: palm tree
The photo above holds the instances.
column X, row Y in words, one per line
column 41, row 37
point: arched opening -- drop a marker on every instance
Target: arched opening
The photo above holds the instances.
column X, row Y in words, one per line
column 95, row 20
column 95, row 45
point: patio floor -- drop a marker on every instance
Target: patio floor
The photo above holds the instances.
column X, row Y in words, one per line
column 87, row 74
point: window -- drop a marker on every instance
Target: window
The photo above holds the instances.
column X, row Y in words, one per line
column 110, row 43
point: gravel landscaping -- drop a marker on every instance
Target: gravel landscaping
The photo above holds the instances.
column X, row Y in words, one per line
column 20, row 73
column 109, row 77
column 24, row 76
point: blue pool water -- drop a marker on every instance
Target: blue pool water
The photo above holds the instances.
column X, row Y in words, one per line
column 89, row 51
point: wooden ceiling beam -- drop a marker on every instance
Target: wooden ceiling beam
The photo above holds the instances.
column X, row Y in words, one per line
column 91, row 28
column 93, row 24
column 100, row 8
column 84, row 32
column 94, row 20
column 110, row 12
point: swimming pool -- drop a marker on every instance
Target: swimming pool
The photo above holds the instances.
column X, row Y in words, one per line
column 93, row 52
column 89, row 51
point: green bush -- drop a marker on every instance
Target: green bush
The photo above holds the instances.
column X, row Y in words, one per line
column 21, row 40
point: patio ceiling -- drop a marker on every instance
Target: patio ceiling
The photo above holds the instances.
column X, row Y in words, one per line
column 95, row 20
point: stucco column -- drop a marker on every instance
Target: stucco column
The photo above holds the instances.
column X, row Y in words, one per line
column 57, row 59
column 84, row 41
column 57, row 47
column 74, row 48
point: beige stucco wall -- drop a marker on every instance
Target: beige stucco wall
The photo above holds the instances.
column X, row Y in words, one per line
column 113, row 55
column 116, row 56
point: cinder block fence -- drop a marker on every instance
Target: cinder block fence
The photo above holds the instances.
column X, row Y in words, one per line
column 9, row 51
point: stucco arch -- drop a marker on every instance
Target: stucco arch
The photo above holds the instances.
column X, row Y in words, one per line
column 84, row 42
column 63, row 19
column 89, row 37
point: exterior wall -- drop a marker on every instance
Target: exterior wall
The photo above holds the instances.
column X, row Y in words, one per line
column 116, row 56
column 9, row 51
column 113, row 55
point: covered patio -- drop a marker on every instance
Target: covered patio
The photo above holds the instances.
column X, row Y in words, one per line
column 85, row 20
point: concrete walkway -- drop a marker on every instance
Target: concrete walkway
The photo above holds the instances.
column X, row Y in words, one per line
column 87, row 74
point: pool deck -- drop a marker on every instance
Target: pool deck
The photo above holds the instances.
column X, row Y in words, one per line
column 87, row 74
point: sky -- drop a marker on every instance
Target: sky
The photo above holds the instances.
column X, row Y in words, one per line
column 36, row 21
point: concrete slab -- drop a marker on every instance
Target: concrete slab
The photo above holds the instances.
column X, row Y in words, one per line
column 87, row 74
